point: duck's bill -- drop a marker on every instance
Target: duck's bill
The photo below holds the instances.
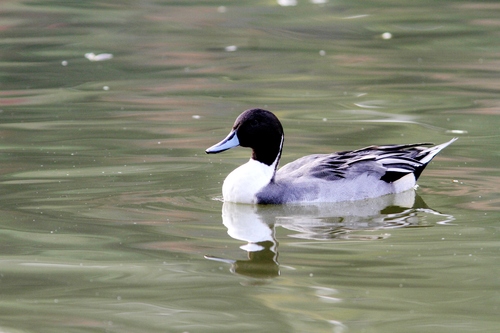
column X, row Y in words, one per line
column 229, row 142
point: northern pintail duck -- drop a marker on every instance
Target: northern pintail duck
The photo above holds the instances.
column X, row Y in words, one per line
column 344, row 176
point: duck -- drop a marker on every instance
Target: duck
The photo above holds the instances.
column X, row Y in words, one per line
column 360, row 174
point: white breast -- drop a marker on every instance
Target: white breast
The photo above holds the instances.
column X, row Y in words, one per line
column 246, row 181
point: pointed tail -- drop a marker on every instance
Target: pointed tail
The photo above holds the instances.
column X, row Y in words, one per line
column 427, row 155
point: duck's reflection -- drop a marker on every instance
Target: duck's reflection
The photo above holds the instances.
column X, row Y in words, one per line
column 248, row 223
column 255, row 225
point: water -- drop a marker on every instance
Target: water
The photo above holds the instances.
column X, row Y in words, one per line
column 110, row 212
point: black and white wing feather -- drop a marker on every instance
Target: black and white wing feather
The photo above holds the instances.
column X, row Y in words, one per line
column 389, row 163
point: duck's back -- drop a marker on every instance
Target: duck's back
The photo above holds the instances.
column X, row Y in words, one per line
column 350, row 175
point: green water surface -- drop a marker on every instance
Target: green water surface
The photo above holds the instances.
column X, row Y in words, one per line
column 111, row 218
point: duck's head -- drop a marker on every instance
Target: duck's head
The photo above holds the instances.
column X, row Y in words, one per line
column 257, row 129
